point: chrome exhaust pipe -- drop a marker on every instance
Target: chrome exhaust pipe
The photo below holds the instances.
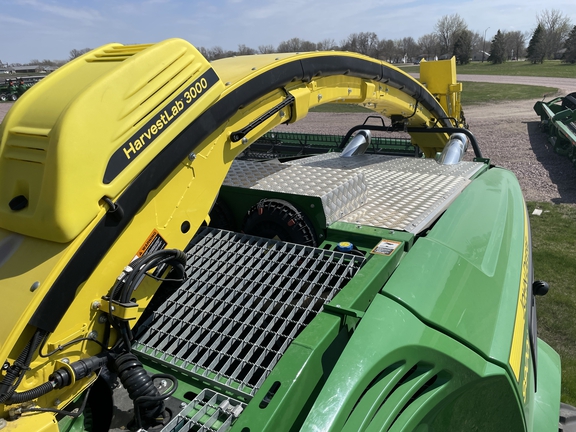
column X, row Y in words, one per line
column 454, row 149
column 358, row 144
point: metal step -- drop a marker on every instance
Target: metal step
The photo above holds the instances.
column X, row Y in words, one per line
column 245, row 301
column 208, row 412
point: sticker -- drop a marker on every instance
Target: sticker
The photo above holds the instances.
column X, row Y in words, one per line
column 386, row 247
column 153, row 243
column 518, row 346
column 154, row 127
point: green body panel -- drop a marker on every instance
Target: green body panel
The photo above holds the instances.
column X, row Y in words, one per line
column 302, row 369
column 364, row 236
column 463, row 278
column 400, row 374
column 547, row 397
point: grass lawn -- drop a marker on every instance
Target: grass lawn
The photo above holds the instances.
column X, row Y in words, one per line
column 550, row 68
column 477, row 92
column 554, row 257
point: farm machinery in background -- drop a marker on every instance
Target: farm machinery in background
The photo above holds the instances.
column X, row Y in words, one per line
column 13, row 88
column 558, row 119
column 152, row 281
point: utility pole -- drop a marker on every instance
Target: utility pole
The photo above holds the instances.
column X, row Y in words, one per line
column 484, row 44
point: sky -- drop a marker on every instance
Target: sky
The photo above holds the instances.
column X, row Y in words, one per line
column 50, row 29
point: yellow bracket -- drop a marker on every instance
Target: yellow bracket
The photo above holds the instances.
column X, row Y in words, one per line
column 123, row 311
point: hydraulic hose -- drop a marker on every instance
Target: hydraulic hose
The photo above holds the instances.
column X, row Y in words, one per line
column 14, row 373
column 34, row 393
column 61, row 378
column 148, row 402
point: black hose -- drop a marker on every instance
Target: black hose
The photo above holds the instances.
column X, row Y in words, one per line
column 31, row 394
column 14, row 373
column 148, row 402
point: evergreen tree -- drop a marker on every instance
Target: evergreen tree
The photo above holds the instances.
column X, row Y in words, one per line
column 536, row 50
column 570, row 45
column 463, row 47
column 498, row 49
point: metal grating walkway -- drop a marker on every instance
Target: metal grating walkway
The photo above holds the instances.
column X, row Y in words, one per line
column 246, row 299
column 208, row 412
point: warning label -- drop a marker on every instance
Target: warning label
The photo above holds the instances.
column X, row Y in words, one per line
column 386, row 247
column 153, row 243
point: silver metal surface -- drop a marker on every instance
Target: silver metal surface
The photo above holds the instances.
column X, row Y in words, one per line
column 454, row 150
column 396, row 193
column 245, row 300
column 208, row 412
column 340, row 191
column 358, row 144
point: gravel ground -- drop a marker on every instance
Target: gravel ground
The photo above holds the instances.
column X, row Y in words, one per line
column 507, row 133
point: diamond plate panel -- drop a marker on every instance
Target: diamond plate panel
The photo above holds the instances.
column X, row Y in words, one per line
column 403, row 193
column 340, row 191
column 394, row 192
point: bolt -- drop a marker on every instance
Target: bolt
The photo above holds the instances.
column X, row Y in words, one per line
column 192, row 156
column 34, row 286
column 349, row 90
column 112, row 308
column 93, row 335
column 96, row 305
column 182, row 404
column 319, row 97
column 102, row 318
column 3, row 423
column 57, row 402
column 282, row 114
column 65, row 360
column 244, row 140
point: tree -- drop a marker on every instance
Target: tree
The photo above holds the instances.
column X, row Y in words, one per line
column 266, row 49
column 386, row 50
column 498, row 50
column 447, row 30
column 555, row 28
column 77, row 53
column 244, row 50
column 515, row 44
column 463, row 47
column 409, row 47
column 326, row 45
column 296, row 45
column 570, row 45
column 363, row 43
column 536, row 51
column 429, row 46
